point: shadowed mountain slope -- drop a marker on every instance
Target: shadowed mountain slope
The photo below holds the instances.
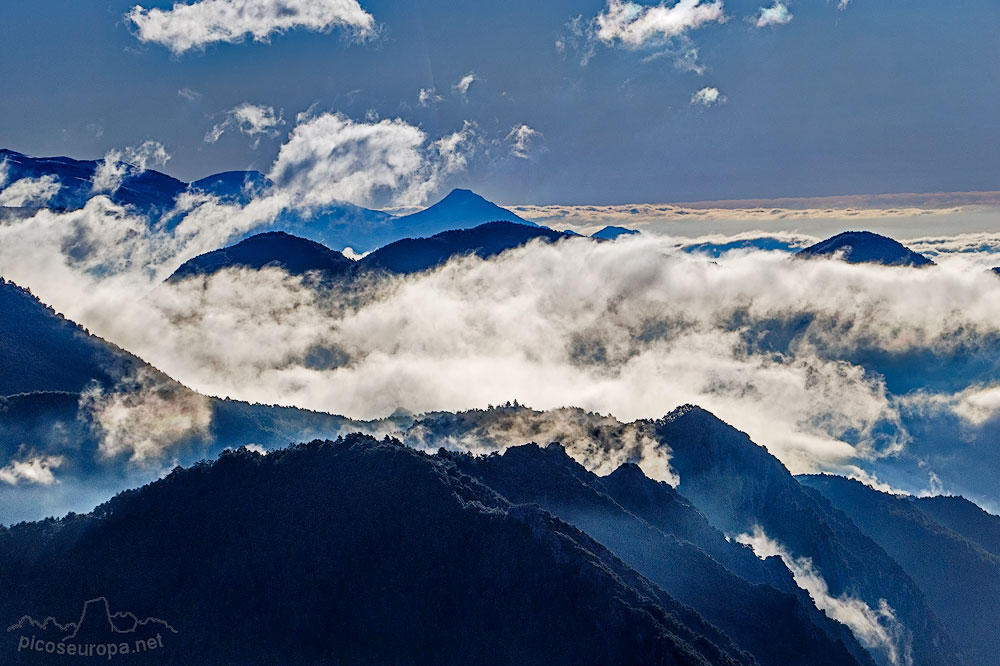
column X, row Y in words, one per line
column 961, row 580
column 740, row 486
column 962, row 516
column 775, row 627
column 349, row 552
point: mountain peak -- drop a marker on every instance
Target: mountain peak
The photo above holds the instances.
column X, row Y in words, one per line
column 460, row 209
column 297, row 256
column 865, row 247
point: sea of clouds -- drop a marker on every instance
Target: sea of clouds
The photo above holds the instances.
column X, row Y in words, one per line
column 811, row 358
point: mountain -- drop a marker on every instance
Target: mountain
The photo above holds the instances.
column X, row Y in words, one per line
column 41, row 350
column 149, row 191
column 460, row 209
column 612, row 232
column 338, row 225
column 233, row 186
column 962, row 516
column 71, row 397
column 960, row 578
column 412, row 255
column 294, row 255
column 741, row 488
column 299, row 256
column 864, row 247
column 349, row 552
column 775, row 627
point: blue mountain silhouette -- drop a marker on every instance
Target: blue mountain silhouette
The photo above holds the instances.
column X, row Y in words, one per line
column 866, row 247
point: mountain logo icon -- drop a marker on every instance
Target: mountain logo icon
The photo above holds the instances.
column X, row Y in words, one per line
column 97, row 633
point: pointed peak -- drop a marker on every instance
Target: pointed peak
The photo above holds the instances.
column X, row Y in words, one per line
column 628, row 470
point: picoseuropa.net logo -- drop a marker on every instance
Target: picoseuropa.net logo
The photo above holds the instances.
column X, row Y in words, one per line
column 98, row 633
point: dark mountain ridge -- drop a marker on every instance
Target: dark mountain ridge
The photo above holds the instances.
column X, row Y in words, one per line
column 779, row 630
column 299, row 256
column 740, row 486
column 377, row 532
column 961, row 579
column 865, row 247
column 296, row 256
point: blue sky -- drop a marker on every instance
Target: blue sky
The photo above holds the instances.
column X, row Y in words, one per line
column 877, row 96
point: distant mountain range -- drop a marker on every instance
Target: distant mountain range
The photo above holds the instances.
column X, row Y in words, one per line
column 299, row 256
column 340, row 225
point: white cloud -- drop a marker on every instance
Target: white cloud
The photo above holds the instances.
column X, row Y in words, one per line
column 876, row 628
column 188, row 94
column 429, row 97
column 776, row 14
column 36, row 470
column 843, row 4
column 522, row 138
column 636, row 26
column 254, row 120
column 976, row 404
column 599, row 443
column 454, row 150
column 330, row 158
column 117, row 164
column 708, row 96
column 28, row 191
column 4, row 172
column 184, row 27
column 463, row 84
column 145, row 416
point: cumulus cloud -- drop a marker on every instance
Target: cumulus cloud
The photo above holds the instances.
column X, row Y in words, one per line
column 636, row 26
column 463, row 84
column 429, row 97
column 184, row 27
column 708, row 96
column 522, row 139
column 117, row 164
column 876, row 628
column 31, row 469
column 330, row 158
column 254, row 120
column 776, row 14
column 188, row 94
column 28, row 191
